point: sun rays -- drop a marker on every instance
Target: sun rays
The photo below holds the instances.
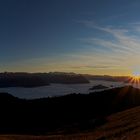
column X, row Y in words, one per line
column 135, row 80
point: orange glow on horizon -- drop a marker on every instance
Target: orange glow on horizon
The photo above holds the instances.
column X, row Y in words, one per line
column 135, row 79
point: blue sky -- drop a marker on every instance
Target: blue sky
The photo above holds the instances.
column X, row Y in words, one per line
column 82, row 36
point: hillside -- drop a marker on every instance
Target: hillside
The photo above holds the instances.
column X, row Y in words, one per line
column 66, row 114
column 120, row 126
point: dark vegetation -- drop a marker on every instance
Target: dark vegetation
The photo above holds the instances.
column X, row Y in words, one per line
column 65, row 114
column 39, row 79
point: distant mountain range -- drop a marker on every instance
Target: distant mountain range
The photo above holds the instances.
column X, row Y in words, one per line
column 107, row 77
column 39, row 79
column 22, row 79
column 66, row 114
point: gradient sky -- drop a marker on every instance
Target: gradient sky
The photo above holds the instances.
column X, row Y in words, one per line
column 82, row 36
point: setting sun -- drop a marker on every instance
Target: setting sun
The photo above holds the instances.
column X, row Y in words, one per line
column 135, row 79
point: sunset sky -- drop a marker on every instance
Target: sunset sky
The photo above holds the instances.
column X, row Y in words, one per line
column 83, row 36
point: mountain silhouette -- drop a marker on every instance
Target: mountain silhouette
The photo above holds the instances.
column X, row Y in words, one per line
column 39, row 79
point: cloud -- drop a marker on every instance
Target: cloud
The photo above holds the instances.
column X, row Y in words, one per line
column 126, row 42
column 100, row 53
column 94, row 67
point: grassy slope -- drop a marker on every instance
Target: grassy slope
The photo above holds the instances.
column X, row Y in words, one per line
column 121, row 126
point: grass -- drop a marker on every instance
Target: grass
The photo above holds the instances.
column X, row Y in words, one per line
column 121, row 126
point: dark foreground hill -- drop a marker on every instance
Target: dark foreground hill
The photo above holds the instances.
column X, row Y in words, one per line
column 66, row 114
column 124, row 125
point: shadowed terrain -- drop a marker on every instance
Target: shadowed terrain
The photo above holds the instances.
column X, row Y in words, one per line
column 68, row 114
column 120, row 126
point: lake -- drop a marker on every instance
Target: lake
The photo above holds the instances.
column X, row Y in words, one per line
column 56, row 89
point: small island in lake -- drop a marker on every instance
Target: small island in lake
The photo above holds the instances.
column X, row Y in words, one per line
column 98, row 87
